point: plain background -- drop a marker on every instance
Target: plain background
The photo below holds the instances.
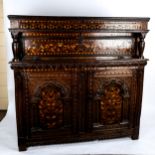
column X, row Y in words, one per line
column 119, row 8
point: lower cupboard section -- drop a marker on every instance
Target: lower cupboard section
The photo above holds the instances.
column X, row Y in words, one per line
column 78, row 105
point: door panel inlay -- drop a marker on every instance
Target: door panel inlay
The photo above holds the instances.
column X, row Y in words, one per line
column 50, row 107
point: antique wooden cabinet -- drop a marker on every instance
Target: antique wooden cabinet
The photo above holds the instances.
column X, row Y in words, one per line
column 77, row 78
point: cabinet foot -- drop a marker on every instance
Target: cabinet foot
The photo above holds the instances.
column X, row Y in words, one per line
column 22, row 148
column 134, row 137
column 135, row 134
column 22, row 144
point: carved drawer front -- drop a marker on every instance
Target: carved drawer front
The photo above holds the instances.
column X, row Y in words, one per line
column 51, row 102
column 112, row 97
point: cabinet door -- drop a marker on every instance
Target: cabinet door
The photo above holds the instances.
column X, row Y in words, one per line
column 51, row 109
column 110, row 98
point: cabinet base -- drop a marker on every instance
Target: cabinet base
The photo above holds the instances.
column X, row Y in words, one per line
column 83, row 137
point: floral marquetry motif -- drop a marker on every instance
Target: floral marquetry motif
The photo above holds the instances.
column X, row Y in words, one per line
column 111, row 104
column 74, row 47
column 50, row 107
column 112, row 97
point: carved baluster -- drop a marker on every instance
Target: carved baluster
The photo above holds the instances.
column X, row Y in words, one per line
column 141, row 45
column 15, row 45
column 136, row 53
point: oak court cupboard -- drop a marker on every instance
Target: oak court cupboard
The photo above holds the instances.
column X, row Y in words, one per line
column 77, row 78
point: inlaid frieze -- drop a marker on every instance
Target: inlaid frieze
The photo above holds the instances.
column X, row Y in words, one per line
column 48, row 47
column 77, row 23
column 75, row 35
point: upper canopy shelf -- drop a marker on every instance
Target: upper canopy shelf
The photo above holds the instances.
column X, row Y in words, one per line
column 55, row 23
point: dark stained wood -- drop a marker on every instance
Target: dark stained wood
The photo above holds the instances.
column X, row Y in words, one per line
column 2, row 114
column 77, row 78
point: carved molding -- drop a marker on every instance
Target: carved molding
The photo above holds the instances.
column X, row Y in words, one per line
column 134, row 63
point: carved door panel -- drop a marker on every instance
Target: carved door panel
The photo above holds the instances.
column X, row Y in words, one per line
column 110, row 98
column 52, row 105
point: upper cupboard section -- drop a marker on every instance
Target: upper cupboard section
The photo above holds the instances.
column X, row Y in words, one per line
column 38, row 37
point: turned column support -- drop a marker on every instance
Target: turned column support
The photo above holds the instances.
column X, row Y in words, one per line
column 15, row 45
